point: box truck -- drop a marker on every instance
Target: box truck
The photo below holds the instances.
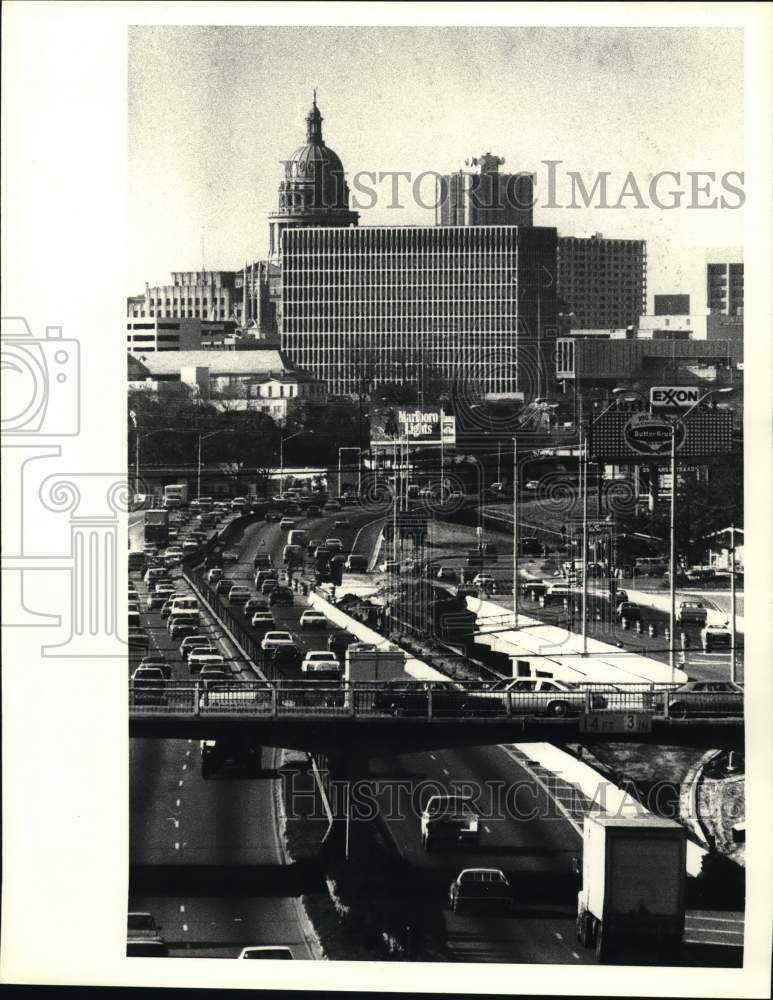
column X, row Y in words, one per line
column 175, row 495
column 157, row 527
column 633, row 885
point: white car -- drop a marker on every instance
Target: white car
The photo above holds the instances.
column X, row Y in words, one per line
column 197, row 661
column 715, row 637
column 268, row 951
column 238, row 503
column 313, row 619
column 334, row 544
column 390, row 566
column 320, row 660
column 185, row 603
column 484, row 580
column 276, row 640
column 215, row 574
column 532, row 485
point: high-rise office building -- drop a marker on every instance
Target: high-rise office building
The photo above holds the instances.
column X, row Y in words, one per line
column 314, row 191
column 476, row 304
column 207, row 295
column 486, row 198
column 724, row 281
column 603, row 282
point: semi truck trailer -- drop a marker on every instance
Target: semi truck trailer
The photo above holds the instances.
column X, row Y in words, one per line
column 633, row 885
column 175, row 495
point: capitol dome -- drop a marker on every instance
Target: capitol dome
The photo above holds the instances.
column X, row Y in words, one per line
column 314, row 191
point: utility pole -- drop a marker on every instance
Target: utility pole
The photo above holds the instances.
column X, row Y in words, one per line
column 732, row 605
column 672, row 559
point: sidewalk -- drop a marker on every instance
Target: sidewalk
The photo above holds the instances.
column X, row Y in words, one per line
column 555, row 649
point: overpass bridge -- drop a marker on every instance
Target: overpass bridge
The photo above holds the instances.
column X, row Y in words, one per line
column 357, row 719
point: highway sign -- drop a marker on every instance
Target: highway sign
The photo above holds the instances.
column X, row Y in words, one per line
column 616, row 722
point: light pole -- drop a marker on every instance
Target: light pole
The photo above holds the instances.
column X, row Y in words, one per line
column 203, row 437
column 672, row 528
column 281, row 455
column 732, row 604
column 515, row 532
column 133, row 418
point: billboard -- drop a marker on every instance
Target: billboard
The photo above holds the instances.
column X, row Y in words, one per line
column 620, row 437
column 393, row 424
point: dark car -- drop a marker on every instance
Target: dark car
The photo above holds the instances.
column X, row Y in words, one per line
column 710, row 699
column 534, row 589
column 481, row 889
column 628, row 610
column 313, row 511
column 273, row 515
column 285, row 657
column 339, row 642
column 530, row 547
column 224, row 587
column 229, row 754
column 412, row 698
column 281, row 596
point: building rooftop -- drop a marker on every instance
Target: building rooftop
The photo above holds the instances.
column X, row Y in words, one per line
column 258, row 362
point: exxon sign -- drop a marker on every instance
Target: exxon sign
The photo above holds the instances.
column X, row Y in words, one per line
column 674, row 397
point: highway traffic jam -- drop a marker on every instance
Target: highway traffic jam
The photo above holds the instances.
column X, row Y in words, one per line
column 491, row 885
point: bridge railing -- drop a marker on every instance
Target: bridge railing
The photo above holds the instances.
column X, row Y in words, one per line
column 287, row 698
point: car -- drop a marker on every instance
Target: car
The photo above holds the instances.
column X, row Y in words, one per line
column 322, row 553
column 710, row 699
column 292, row 554
column 138, row 639
column 190, row 641
column 204, row 648
column 147, row 685
column 466, row 590
column 223, row 588
column 715, row 637
column 154, row 574
column 182, row 625
column 291, row 507
column 411, row 697
column 286, row 524
column 267, row 951
column 314, row 544
column 334, row 544
column 238, row 595
column 254, row 604
column 554, row 593
column 390, row 566
column 484, row 581
column 238, row 504
column 215, row 574
column 628, row 610
column 691, row 613
column 262, row 621
column 143, row 938
column 534, row 589
column 213, row 672
column 262, row 560
column 480, row 889
column 285, row 657
column 341, row 523
column 313, row 619
column 313, row 511
column 530, row 547
column 156, row 601
column 532, row 485
column 532, row 696
column 615, row 598
column 273, row 640
column 356, row 563
column 263, row 575
column 331, row 507
column 166, row 607
column 281, row 596
column 339, row 642
column 320, row 660
column 272, row 515
column 447, row 574
column 157, row 660
column 229, row 754
column 197, row 661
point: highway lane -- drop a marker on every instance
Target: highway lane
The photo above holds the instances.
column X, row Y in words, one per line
column 522, row 833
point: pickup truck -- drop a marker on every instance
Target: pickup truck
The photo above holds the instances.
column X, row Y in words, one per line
column 449, row 819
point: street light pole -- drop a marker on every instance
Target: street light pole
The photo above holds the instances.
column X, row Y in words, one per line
column 672, row 560
column 515, row 532
column 584, row 481
column 732, row 604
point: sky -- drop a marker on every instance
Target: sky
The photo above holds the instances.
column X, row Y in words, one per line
column 214, row 110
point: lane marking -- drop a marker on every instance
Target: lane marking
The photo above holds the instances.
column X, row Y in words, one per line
column 187, row 753
column 177, row 845
column 575, row 955
column 180, row 783
column 182, row 907
column 185, row 927
column 177, row 803
column 185, row 767
column 486, row 828
column 445, row 770
column 432, row 756
column 559, row 936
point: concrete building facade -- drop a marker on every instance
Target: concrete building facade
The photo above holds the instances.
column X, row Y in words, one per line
column 476, row 304
column 603, row 282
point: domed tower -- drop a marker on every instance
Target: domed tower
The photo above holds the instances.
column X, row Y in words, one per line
column 314, row 191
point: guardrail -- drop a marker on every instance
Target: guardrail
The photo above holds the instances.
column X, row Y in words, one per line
column 418, row 700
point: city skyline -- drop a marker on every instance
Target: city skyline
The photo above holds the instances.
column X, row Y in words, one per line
column 198, row 178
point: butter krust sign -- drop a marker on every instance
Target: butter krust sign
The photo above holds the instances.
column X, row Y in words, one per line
column 648, row 435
